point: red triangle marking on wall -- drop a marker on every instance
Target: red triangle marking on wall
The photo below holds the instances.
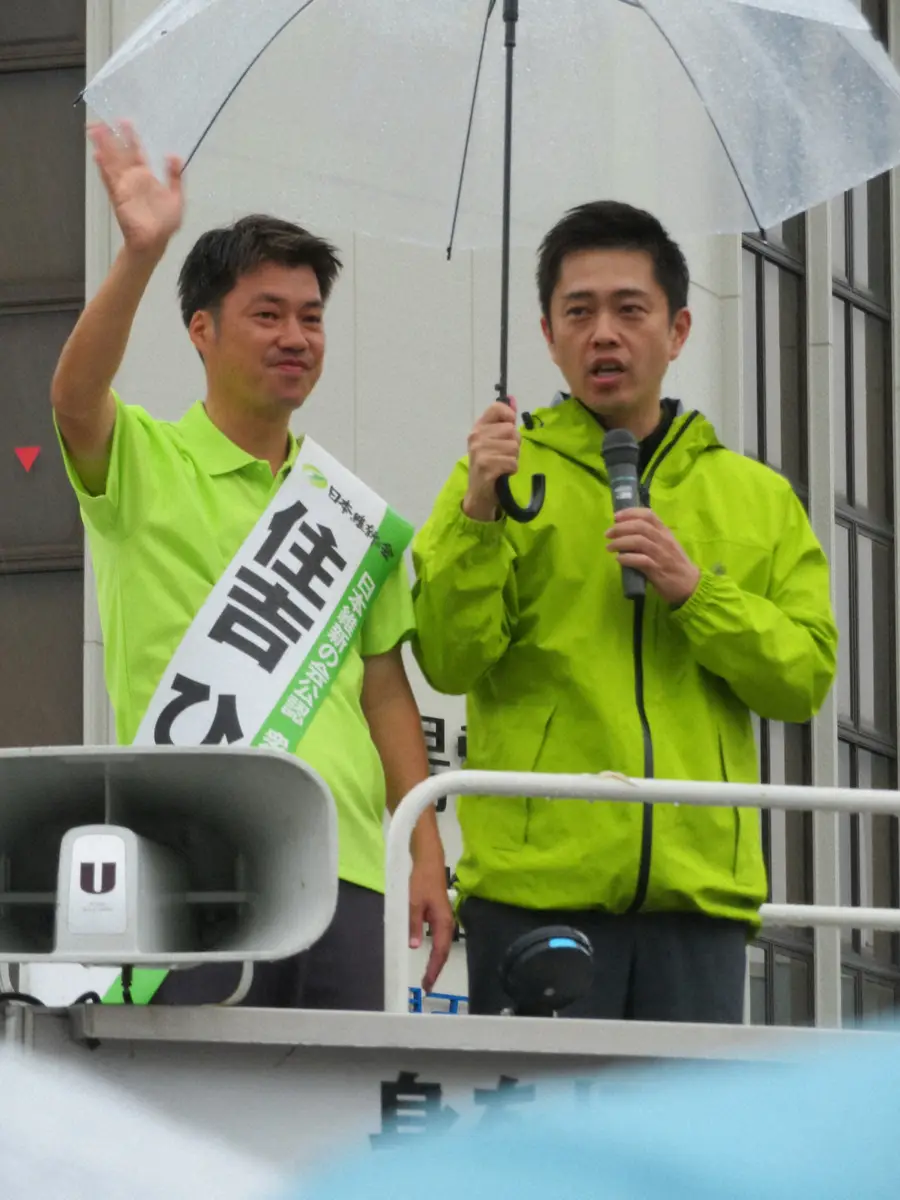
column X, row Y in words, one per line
column 26, row 455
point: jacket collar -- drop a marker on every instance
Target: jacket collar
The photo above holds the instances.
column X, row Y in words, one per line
column 216, row 453
column 570, row 430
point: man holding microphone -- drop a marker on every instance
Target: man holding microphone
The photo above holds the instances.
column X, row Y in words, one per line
column 724, row 611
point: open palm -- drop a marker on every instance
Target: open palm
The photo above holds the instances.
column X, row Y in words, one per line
column 148, row 210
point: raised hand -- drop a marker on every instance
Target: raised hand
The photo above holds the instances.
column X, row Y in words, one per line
column 148, row 210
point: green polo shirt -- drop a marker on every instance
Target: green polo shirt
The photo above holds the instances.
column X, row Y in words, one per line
column 180, row 499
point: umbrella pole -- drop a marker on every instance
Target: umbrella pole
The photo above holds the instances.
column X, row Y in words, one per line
column 538, row 482
column 510, row 18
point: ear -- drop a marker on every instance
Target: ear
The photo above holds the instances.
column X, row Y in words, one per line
column 678, row 334
column 202, row 331
column 547, row 331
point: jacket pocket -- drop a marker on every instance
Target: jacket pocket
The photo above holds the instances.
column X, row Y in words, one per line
column 508, row 739
column 739, row 765
column 736, row 814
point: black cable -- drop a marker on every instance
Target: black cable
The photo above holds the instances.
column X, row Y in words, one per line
column 127, row 977
column 462, row 170
column 88, row 998
column 23, row 997
column 27, row 998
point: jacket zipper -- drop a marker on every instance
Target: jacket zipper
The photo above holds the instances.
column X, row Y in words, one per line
column 643, row 878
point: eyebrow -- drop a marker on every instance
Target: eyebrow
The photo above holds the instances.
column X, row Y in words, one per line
column 271, row 298
column 621, row 294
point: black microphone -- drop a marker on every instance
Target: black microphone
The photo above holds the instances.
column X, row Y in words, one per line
column 621, row 453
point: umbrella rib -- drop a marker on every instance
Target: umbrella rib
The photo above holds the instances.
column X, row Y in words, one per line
column 462, row 171
column 712, row 119
column 243, row 75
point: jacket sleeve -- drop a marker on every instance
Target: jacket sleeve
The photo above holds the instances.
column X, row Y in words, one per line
column 777, row 652
column 464, row 592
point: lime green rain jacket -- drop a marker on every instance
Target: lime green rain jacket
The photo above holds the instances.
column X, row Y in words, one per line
column 562, row 673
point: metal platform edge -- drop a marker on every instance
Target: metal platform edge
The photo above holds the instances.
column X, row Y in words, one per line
column 460, row 1035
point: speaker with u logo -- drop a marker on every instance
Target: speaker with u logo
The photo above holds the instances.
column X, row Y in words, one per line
column 162, row 856
column 89, row 879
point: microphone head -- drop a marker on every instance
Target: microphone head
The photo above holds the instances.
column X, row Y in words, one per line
column 620, row 447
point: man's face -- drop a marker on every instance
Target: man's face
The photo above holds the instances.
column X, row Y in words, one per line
column 266, row 345
column 611, row 334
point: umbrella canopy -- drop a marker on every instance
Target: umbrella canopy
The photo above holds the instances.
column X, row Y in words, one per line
column 718, row 115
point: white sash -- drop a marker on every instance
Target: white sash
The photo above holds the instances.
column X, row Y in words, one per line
column 261, row 654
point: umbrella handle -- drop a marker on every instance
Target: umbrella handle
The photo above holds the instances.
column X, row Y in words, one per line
column 507, row 500
column 512, row 508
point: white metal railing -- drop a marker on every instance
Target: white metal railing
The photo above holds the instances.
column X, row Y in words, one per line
column 609, row 786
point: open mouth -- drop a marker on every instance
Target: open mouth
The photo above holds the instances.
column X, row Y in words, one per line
column 607, row 371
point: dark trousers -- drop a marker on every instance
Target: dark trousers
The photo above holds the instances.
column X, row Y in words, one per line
column 647, row 966
column 343, row 970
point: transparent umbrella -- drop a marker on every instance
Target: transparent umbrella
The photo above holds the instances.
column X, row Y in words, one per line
column 717, row 115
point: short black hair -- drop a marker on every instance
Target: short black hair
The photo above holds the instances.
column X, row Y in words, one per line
column 611, row 225
column 220, row 257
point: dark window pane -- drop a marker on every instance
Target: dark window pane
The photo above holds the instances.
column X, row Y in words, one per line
column 757, row 969
column 794, row 232
column 41, row 638
column 791, row 236
column 845, row 768
column 847, row 873
column 845, row 837
column 875, row 661
column 859, row 227
column 845, row 627
column 789, row 761
column 839, row 237
column 879, row 884
column 871, row 416
column 772, row 367
column 49, row 20
column 38, row 511
column 874, row 771
column 799, row 835
column 848, row 998
column 839, row 399
column 877, row 997
column 784, row 371
column 42, row 199
column 793, row 1004
column 876, row 13
column 789, row 753
column 871, row 237
column 845, row 852
column 751, row 356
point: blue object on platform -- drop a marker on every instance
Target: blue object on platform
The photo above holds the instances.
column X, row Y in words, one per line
column 417, row 1002
column 820, row 1125
column 563, row 943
